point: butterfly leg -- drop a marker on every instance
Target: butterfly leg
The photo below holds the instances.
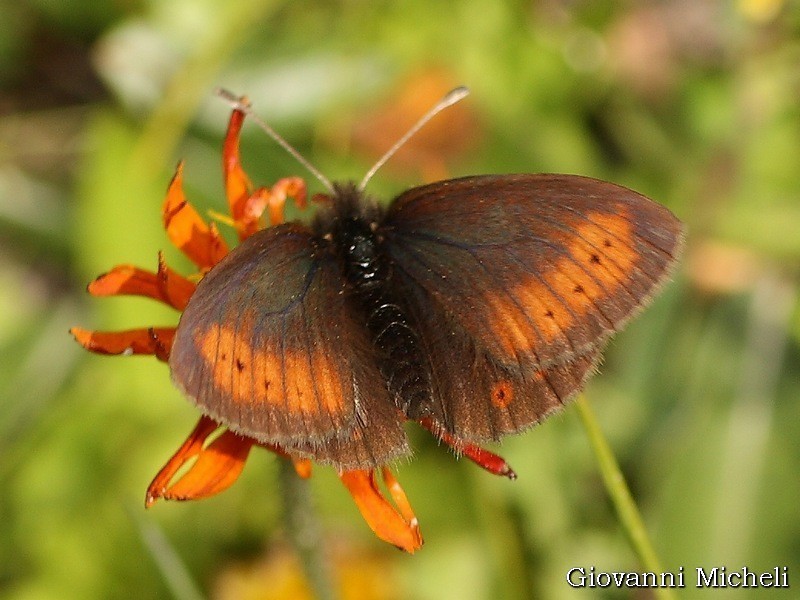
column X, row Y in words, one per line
column 485, row 459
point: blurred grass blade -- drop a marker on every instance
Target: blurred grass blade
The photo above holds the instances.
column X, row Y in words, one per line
column 48, row 361
column 749, row 427
column 169, row 563
column 627, row 511
column 304, row 532
column 194, row 82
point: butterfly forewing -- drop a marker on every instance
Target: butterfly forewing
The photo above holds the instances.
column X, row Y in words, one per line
column 537, row 269
column 269, row 347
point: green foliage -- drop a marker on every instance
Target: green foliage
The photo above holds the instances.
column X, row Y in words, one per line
column 693, row 104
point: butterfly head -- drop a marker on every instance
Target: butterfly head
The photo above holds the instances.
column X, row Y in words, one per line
column 346, row 210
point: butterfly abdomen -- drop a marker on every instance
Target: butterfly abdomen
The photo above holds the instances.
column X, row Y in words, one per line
column 368, row 272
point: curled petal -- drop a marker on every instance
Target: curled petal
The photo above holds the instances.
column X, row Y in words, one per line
column 126, row 280
column 247, row 205
column 237, row 183
column 398, row 526
column 153, row 340
column 274, row 198
column 176, row 288
column 202, row 244
column 217, row 467
column 399, row 497
column 188, row 450
column 166, row 285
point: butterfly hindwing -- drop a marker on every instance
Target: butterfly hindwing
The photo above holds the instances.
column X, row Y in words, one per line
column 472, row 396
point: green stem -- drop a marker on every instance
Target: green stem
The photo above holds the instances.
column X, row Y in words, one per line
column 304, row 531
column 627, row 511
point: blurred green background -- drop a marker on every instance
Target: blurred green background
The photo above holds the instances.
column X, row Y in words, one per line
column 692, row 102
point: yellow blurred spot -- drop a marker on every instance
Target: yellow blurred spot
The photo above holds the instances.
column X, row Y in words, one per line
column 718, row 268
column 278, row 576
column 760, row 11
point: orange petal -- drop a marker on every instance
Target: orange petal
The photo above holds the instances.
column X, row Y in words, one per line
column 246, row 205
column 237, row 184
column 252, row 207
column 398, row 527
column 248, row 222
column 302, row 466
column 273, row 198
column 176, row 288
column 153, row 340
column 288, row 187
column 186, row 229
column 126, row 280
column 190, row 448
column 217, row 467
column 399, row 497
column 166, row 286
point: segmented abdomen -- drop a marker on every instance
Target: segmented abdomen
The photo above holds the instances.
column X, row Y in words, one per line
column 400, row 355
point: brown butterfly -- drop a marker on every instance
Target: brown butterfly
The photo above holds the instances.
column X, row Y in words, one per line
column 477, row 306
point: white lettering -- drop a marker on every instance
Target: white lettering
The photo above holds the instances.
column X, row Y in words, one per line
column 750, row 579
column 581, row 577
column 619, row 578
column 703, row 581
column 649, row 580
column 602, row 580
column 714, row 577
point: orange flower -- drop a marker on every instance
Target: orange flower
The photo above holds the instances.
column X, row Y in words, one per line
column 221, row 458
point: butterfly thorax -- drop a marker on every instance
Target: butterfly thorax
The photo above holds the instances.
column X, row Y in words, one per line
column 351, row 223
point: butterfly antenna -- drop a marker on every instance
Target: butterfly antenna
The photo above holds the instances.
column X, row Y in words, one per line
column 242, row 104
column 449, row 99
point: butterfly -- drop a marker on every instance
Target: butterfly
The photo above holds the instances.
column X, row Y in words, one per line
column 478, row 305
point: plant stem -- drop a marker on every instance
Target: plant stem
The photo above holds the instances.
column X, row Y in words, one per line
column 617, row 488
column 303, row 529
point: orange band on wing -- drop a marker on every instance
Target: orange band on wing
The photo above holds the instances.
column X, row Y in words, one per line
column 608, row 237
column 549, row 303
column 251, row 375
